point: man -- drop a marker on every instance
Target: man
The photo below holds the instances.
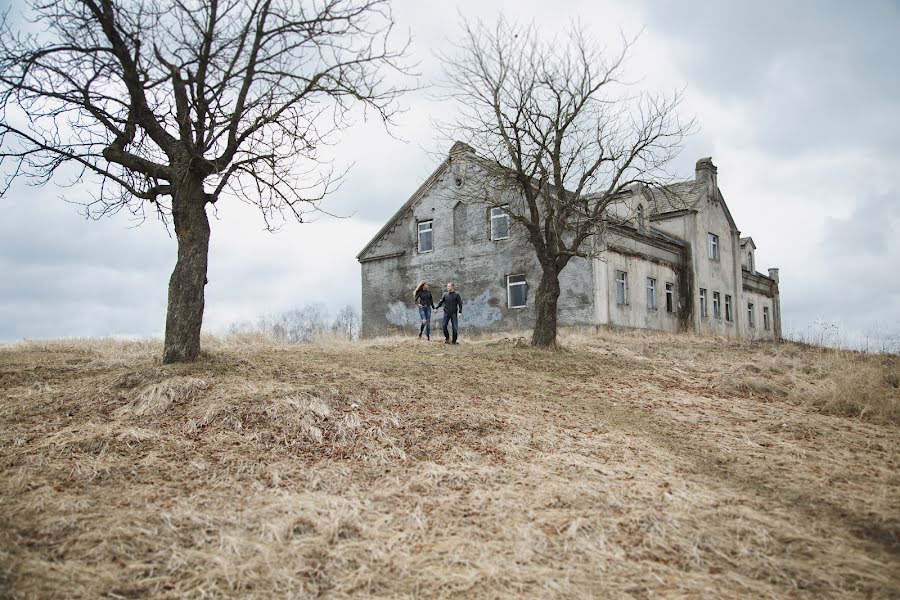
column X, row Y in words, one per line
column 452, row 303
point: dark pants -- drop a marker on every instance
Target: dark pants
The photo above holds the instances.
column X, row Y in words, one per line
column 454, row 319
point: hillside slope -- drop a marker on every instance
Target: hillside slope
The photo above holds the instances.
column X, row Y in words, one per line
column 627, row 464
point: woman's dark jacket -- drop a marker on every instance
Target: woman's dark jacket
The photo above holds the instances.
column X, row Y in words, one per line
column 424, row 298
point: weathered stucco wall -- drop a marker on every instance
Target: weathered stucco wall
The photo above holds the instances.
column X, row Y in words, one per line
column 670, row 248
column 465, row 254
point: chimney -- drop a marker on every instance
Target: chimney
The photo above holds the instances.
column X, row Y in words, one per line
column 773, row 274
column 460, row 148
column 706, row 171
column 458, row 162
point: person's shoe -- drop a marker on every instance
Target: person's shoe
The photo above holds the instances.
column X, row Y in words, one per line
column 453, row 342
column 446, row 341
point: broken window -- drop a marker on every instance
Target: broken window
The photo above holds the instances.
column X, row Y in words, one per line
column 717, row 305
column 651, row 293
column 500, row 222
column 728, row 316
column 750, row 320
column 426, row 241
column 670, row 297
column 766, row 318
column 516, row 291
column 702, row 302
column 621, row 287
column 713, row 246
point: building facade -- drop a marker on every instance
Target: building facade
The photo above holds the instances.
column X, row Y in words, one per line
column 670, row 258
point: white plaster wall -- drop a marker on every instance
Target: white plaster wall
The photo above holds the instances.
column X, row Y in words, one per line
column 636, row 313
column 759, row 301
column 722, row 275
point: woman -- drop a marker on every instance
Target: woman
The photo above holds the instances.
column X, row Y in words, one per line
column 425, row 302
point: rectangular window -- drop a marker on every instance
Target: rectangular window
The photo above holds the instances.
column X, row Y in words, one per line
column 766, row 318
column 651, row 293
column 516, row 291
column 621, row 287
column 670, row 297
column 702, row 302
column 728, row 316
column 717, row 305
column 500, row 222
column 750, row 319
column 426, row 241
column 713, row 249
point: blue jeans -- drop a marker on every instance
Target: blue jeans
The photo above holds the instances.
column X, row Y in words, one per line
column 448, row 319
column 425, row 316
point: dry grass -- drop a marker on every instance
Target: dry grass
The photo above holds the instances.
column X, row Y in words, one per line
column 626, row 465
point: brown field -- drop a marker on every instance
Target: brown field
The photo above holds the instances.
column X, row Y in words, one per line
column 626, row 465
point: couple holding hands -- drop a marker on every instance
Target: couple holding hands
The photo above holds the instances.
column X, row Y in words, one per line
column 452, row 303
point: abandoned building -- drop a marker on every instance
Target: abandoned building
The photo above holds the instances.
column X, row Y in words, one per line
column 671, row 258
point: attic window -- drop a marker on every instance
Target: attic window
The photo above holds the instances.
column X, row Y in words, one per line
column 640, row 216
column 713, row 246
column 500, row 222
column 426, row 236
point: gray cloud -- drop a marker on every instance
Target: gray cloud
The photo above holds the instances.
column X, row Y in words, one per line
column 800, row 106
column 810, row 74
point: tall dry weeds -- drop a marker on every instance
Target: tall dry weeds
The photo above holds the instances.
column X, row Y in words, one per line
column 627, row 464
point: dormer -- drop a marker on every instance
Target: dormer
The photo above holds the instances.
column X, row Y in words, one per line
column 748, row 250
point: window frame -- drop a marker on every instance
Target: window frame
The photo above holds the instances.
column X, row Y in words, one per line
column 766, row 322
column 703, row 301
column 504, row 214
column 670, row 297
column 751, row 321
column 717, row 305
column 624, row 281
column 420, row 231
column 729, row 317
column 712, row 246
column 510, row 284
column 651, row 294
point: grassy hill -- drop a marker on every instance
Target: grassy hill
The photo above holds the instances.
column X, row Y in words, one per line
column 628, row 464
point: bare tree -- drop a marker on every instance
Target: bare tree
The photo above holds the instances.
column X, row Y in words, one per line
column 172, row 104
column 566, row 134
column 346, row 322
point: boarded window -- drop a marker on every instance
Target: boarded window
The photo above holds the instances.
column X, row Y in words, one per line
column 459, row 223
column 426, row 239
column 516, row 291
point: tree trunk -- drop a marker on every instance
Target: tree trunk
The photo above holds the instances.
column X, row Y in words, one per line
column 546, row 300
column 184, row 315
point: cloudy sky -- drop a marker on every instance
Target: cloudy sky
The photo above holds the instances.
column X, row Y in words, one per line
column 798, row 103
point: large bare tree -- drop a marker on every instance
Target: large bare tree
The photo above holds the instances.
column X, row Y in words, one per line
column 566, row 134
column 173, row 104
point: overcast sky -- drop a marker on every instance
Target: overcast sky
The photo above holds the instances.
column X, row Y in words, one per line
column 799, row 106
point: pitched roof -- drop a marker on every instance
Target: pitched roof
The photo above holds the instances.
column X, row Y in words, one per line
column 747, row 240
column 417, row 195
column 681, row 195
